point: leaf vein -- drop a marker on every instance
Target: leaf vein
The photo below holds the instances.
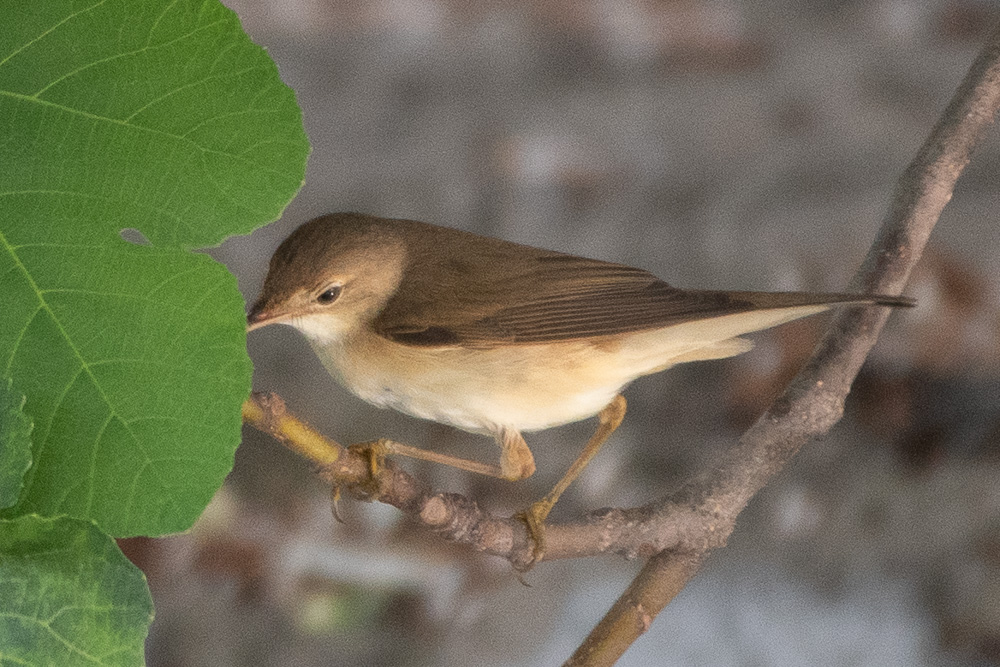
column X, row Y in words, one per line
column 151, row 130
column 117, row 56
column 50, row 30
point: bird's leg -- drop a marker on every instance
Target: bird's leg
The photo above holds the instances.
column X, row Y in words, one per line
column 609, row 420
column 513, row 464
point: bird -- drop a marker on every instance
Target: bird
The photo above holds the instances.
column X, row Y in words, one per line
column 497, row 338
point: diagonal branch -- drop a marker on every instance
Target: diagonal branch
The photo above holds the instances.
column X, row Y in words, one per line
column 814, row 400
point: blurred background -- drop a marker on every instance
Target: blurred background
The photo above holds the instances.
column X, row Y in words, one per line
column 719, row 144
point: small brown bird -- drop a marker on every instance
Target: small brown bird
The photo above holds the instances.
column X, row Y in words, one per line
column 498, row 338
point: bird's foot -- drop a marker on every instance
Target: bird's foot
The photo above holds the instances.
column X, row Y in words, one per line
column 374, row 452
column 534, row 518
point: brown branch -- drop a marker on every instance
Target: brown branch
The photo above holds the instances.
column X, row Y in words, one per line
column 454, row 517
column 642, row 531
column 659, row 581
column 814, row 401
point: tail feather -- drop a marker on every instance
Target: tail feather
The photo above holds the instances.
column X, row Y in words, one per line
column 769, row 300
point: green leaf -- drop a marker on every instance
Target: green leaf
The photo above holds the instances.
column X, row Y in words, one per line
column 68, row 596
column 15, row 442
column 157, row 115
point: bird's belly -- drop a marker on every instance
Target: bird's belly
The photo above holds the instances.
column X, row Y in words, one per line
column 527, row 388
column 467, row 407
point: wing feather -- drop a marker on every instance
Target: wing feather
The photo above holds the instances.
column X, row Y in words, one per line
column 514, row 294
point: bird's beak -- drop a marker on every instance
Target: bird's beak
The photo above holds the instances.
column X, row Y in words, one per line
column 259, row 316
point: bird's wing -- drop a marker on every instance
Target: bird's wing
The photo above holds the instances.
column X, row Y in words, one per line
column 529, row 296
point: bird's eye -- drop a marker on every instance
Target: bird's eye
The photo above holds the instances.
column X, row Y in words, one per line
column 329, row 295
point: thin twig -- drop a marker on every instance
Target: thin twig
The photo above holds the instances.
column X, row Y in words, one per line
column 454, row 517
column 668, row 524
column 659, row 581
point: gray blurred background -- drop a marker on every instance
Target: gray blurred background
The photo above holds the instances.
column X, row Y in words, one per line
column 719, row 144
